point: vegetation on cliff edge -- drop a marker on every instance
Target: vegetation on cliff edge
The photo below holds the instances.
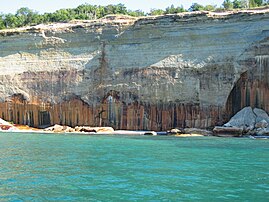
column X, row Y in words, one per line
column 25, row 16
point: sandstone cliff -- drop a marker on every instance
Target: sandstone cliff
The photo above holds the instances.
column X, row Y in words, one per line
column 157, row 73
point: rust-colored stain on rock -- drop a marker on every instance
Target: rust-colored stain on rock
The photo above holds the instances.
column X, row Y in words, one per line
column 154, row 73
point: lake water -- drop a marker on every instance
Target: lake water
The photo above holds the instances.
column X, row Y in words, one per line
column 36, row 167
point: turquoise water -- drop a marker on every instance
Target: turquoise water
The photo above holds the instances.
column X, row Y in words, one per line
column 36, row 167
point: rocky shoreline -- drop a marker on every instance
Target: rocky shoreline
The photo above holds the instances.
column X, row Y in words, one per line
column 248, row 122
column 87, row 130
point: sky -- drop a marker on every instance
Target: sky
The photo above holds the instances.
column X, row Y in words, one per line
column 42, row 6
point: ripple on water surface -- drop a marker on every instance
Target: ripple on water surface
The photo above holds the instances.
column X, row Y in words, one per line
column 123, row 168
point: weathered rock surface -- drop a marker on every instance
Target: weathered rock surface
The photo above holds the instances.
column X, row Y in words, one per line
column 261, row 115
column 94, row 129
column 152, row 73
column 59, row 129
column 261, row 124
column 174, row 131
column 227, row 131
column 262, row 132
column 197, row 131
column 153, row 133
column 243, row 119
column 189, row 132
column 6, row 126
column 247, row 121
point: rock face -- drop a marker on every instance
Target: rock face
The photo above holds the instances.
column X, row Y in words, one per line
column 5, row 126
column 247, row 121
column 227, row 131
column 245, row 118
column 59, row 129
column 152, row 73
column 94, row 129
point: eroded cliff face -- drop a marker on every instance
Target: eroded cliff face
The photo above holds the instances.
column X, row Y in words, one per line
column 187, row 70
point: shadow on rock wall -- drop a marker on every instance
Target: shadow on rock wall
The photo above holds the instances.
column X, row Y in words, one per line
column 252, row 88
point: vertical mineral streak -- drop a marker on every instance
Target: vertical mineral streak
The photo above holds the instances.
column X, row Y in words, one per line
column 252, row 88
column 150, row 73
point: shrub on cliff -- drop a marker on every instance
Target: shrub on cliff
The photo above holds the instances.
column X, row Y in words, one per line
column 172, row 9
column 196, row 7
column 156, row 12
column 239, row 4
column 2, row 24
column 228, row 5
column 25, row 16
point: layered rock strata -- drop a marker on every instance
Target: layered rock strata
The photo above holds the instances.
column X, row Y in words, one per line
column 151, row 73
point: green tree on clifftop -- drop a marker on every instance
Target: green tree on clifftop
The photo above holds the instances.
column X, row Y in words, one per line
column 228, row 5
column 196, row 7
column 240, row 3
column 2, row 23
column 136, row 13
column 63, row 15
column 156, row 12
column 258, row 2
column 86, row 12
column 11, row 21
column 24, row 16
column 172, row 9
column 210, row 7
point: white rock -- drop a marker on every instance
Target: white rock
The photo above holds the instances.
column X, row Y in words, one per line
column 245, row 118
column 261, row 124
column 261, row 115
